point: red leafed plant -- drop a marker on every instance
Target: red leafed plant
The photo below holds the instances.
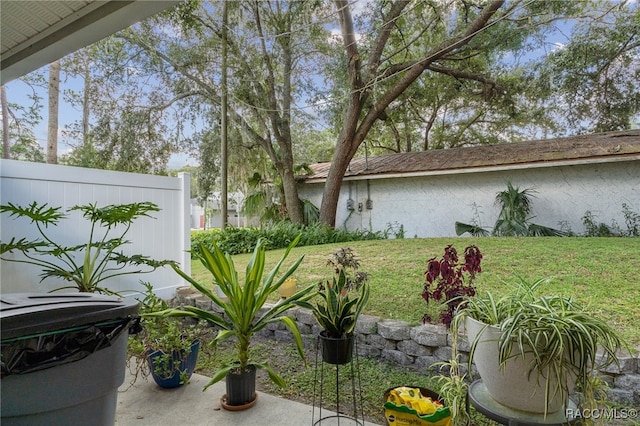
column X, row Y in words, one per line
column 448, row 281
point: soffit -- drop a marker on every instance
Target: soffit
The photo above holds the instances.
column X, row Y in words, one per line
column 35, row 33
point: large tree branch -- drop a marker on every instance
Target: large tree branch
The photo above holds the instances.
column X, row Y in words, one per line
column 211, row 93
column 412, row 73
column 389, row 21
column 492, row 84
column 270, row 81
column 170, row 102
column 351, row 48
column 405, row 46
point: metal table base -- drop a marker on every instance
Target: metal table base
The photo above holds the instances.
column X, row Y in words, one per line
column 479, row 398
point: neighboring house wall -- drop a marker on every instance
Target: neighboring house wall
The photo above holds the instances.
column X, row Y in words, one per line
column 165, row 237
column 429, row 206
column 213, row 219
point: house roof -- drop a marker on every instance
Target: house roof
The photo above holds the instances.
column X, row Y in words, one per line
column 593, row 148
column 35, row 33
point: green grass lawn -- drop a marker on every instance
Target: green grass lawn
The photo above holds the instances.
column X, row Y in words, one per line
column 602, row 273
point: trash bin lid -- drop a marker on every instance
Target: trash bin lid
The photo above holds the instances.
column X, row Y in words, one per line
column 27, row 314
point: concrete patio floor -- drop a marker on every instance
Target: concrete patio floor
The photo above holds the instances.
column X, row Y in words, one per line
column 146, row 404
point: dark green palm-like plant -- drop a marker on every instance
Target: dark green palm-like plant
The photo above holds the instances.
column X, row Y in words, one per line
column 514, row 217
column 243, row 310
column 89, row 264
column 263, row 201
column 515, row 209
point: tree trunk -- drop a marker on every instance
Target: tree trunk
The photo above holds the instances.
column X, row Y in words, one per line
column 5, row 122
column 54, row 94
column 291, row 198
column 85, row 103
column 358, row 120
column 331, row 193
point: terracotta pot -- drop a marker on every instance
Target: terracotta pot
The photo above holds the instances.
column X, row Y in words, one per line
column 514, row 385
column 336, row 351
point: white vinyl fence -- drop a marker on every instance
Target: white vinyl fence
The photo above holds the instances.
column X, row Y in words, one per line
column 166, row 236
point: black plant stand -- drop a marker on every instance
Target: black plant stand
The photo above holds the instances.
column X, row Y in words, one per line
column 358, row 417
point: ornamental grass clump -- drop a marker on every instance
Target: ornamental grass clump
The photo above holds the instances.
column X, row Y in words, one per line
column 448, row 280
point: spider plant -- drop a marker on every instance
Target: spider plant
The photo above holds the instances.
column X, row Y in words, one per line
column 454, row 386
column 558, row 334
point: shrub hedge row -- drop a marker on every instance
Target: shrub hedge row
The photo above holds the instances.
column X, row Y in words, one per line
column 243, row 240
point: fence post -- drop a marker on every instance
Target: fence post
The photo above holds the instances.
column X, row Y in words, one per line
column 185, row 222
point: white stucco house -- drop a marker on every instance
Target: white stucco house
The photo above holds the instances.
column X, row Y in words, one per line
column 427, row 192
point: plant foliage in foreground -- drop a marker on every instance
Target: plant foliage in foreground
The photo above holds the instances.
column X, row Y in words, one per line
column 600, row 273
column 562, row 337
column 88, row 264
column 243, row 314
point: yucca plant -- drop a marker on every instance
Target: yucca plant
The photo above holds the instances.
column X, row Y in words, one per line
column 243, row 314
column 558, row 337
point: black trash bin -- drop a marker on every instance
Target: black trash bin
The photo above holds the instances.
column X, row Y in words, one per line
column 63, row 357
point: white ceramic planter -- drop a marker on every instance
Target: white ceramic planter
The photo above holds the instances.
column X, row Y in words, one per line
column 512, row 385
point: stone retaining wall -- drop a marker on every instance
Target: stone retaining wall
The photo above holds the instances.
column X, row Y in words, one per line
column 419, row 346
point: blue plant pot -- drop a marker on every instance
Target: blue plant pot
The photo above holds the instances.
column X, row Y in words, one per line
column 181, row 365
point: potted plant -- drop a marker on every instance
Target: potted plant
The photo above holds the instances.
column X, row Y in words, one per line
column 90, row 263
column 340, row 303
column 530, row 350
column 164, row 347
column 243, row 314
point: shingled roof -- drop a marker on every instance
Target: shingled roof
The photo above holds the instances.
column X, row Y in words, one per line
column 599, row 147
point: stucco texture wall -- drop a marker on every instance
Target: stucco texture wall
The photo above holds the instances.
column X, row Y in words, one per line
column 429, row 206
